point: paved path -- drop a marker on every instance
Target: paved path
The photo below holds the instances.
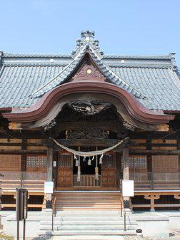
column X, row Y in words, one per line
column 87, row 238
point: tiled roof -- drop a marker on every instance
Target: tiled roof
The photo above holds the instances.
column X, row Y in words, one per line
column 24, row 78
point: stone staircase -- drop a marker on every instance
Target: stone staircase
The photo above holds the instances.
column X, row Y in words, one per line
column 84, row 224
column 88, row 200
column 88, row 215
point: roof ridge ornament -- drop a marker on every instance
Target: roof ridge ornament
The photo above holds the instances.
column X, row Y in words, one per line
column 87, row 38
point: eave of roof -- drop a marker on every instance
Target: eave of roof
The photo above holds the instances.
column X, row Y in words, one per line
column 67, row 71
column 136, row 74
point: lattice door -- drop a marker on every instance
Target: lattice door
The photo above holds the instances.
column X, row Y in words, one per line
column 109, row 170
column 65, row 170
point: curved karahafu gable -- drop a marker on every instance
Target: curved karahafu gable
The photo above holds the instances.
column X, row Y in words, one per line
column 130, row 109
column 88, row 71
column 153, row 80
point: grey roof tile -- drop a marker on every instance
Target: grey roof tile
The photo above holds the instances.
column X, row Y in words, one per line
column 154, row 80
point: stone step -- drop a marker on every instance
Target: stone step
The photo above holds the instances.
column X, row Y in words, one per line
column 85, row 213
column 87, row 237
column 109, row 208
column 80, row 198
column 84, row 219
column 87, row 196
column 89, row 201
column 87, row 227
column 88, row 192
column 88, row 205
column 108, row 222
column 109, row 233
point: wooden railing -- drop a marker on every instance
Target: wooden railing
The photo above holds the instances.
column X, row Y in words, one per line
column 156, row 180
column 87, row 181
column 33, row 181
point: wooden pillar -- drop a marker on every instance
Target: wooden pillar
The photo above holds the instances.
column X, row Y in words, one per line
column 23, row 147
column 149, row 161
column 49, row 178
column 118, row 169
column 23, row 157
column 178, row 147
column 125, row 159
column 49, row 164
column 152, row 198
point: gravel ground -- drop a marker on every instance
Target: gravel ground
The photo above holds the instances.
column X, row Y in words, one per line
column 173, row 236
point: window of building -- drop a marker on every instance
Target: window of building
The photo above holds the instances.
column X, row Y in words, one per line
column 35, row 161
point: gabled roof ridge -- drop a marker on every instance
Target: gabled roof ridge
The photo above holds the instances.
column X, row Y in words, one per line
column 106, row 70
column 111, row 56
column 77, row 58
column 37, row 64
column 36, row 55
column 130, row 65
column 123, row 83
column 154, row 57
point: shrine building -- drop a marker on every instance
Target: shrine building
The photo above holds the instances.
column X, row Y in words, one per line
column 86, row 121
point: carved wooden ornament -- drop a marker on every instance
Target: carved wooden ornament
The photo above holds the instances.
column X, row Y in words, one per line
column 88, row 73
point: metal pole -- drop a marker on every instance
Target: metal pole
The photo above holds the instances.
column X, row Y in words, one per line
column 24, row 229
column 21, row 179
column 17, row 229
column 121, row 208
column 17, row 212
column 124, row 220
column 52, row 221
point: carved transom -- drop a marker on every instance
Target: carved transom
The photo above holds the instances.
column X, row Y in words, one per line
column 88, row 107
column 87, row 133
column 88, row 72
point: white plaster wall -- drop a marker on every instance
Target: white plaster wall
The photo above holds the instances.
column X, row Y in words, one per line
column 32, row 226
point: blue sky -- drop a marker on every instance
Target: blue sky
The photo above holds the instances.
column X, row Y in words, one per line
column 122, row 26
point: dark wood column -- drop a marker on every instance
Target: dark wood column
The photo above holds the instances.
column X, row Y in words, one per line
column 23, row 147
column 149, row 156
column 125, row 159
column 149, row 159
column 178, row 147
column 118, row 169
column 49, row 178
column 49, row 163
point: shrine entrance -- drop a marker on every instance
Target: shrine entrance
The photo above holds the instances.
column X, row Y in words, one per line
column 86, row 172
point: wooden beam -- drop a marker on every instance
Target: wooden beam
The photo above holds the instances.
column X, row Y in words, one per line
column 23, row 151
column 154, row 152
column 20, row 144
column 157, row 144
column 107, row 125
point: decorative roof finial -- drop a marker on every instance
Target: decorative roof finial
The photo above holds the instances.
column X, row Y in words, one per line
column 87, row 38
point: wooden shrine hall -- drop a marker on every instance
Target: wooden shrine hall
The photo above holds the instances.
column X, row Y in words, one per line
column 125, row 108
